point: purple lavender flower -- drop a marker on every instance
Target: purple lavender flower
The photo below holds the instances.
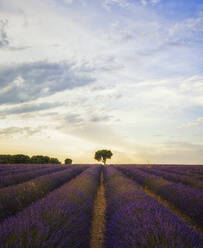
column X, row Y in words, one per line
column 61, row 219
column 134, row 219
column 16, row 197
column 187, row 199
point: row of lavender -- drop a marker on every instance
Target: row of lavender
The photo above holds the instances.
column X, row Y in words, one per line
column 134, row 219
column 195, row 171
column 6, row 169
column 61, row 219
column 192, row 181
column 192, row 171
column 26, row 175
column 185, row 198
column 186, row 170
column 16, row 197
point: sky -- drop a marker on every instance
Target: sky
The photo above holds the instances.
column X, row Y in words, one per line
column 77, row 76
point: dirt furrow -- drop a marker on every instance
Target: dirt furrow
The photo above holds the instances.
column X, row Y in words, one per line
column 98, row 224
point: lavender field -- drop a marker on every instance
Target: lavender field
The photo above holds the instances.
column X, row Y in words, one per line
column 115, row 206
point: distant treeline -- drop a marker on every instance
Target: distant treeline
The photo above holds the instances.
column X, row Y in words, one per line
column 25, row 159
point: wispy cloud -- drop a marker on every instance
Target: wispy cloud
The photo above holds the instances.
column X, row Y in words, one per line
column 68, row 1
column 29, row 81
column 197, row 122
column 4, row 42
column 155, row 1
column 72, row 118
column 10, row 131
column 29, row 108
column 4, row 38
column 121, row 3
column 145, row 2
column 183, row 152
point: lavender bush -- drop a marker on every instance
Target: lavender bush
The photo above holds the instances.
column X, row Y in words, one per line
column 194, row 173
column 188, row 200
column 193, row 170
column 10, row 170
column 6, row 168
column 136, row 220
column 27, row 175
column 15, row 198
column 174, row 177
column 62, row 219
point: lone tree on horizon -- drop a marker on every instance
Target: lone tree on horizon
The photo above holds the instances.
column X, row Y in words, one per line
column 103, row 155
column 68, row 161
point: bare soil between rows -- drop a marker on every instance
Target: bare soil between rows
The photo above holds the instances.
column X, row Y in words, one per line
column 99, row 222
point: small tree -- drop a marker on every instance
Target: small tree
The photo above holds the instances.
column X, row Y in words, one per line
column 40, row 159
column 103, row 155
column 68, row 161
column 5, row 159
column 54, row 161
column 20, row 159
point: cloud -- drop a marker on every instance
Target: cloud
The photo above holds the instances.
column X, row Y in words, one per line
column 127, row 3
column 68, row 1
column 28, row 131
column 4, row 42
column 187, row 31
column 84, row 119
column 145, row 2
column 122, row 3
column 103, row 118
column 155, row 1
column 73, row 118
column 4, row 39
column 17, row 48
column 94, row 132
column 29, row 108
column 197, row 122
column 30, row 81
column 169, row 153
